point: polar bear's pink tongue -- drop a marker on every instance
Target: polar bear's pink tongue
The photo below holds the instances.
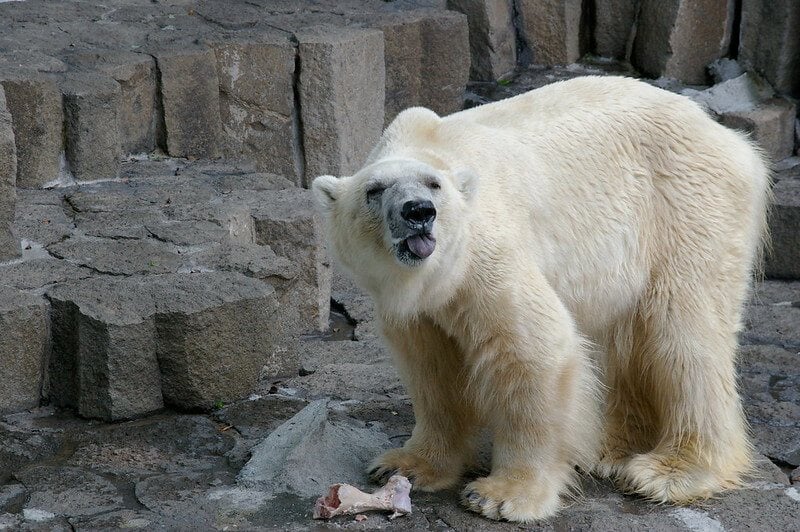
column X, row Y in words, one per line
column 421, row 245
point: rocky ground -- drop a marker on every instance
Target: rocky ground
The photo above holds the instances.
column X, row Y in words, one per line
column 260, row 463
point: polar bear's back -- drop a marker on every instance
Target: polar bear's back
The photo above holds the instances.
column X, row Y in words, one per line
column 624, row 175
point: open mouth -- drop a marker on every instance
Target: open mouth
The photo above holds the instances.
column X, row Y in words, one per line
column 419, row 246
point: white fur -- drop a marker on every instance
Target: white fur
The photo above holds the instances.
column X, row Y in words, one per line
column 594, row 223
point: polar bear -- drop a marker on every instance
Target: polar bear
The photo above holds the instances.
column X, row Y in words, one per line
column 567, row 269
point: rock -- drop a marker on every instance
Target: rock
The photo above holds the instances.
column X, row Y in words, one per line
column 308, row 453
column 258, row 417
column 183, row 497
column 257, row 105
column 104, row 359
column 117, row 257
column 743, row 93
column 126, row 519
column 24, row 344
column 768, row 42
column 37, row 118
column 552, row 30
column 341, row 89
column 9, row 246
column 214, row 347
column 286, row 220
column 40, row 217
column 69, row 491
column 783, row 261
column 770, row 292
column 91, row 126
column 771, row 124
column 12, row 497
column 190, row 99
column 772, row 324
column 140, row 124
column 725, row 69
column 614, row 26
column 679, row 38
column 363, row 382
column 427, row 59
column 190, row 337
column 493, row 47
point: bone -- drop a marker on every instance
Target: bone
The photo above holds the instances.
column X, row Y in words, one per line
column 344, row 499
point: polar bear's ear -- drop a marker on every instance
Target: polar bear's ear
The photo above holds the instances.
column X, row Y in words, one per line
column 326, row 191
column 467, row 183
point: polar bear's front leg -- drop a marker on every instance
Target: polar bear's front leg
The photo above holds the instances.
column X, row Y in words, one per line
column 535, row 383
column 441, row 445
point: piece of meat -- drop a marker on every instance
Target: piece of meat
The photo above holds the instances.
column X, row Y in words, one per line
column 345, row 499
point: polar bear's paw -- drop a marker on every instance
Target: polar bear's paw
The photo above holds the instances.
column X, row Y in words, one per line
column 420, row 471
column 511, row 499
column 669, row 478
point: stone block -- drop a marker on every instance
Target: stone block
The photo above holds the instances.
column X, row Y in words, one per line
column 552, row 29
column 613, row 27
column 771, row 124
column 769, row 42
column 216, row 334
column 783, row 261
column 37, row 118
column 103, row 361
column 257, row 103
column 118, row 257
column 91, row 126
column 190, row 100
column 341, row 89
column 140, row 123
column 680, row 38
column 23, row 344
column 287, row 222
column 124, row 347
column 402, row 41
column 445, row 62
column 492, row 37
column 9, row 247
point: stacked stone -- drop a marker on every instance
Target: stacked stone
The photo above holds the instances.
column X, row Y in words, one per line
column 275, row 83
column 179, row 284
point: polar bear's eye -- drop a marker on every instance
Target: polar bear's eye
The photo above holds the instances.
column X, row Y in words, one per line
column 375, row 190
column 434, row 185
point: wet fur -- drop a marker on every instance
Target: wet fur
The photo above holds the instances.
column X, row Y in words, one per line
column 595, row 243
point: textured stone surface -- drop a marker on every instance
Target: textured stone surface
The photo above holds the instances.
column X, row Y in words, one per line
column 103, row 360
column 771, row 123
column 37, row 117
column 551, row 29
column 679, row 38
column 190, row 99
column 445, row 62
column 138, row 117
column 23, row 344
column 257, row 105
column 91, row 126
column 769, row 42
column 492, row 37
column 613, row 27
column 9, row 246
column 784, row 225
column 198, row 338
column 287, row 221
column 341, row 90
column 54, row 491
column 303, row 455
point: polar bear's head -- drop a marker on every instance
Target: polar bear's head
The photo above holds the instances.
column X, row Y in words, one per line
column 396, row 217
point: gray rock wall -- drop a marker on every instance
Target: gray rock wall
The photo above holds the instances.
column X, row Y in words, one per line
column 209, row 79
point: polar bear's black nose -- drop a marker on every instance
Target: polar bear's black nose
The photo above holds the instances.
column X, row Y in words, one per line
column 418, row 212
